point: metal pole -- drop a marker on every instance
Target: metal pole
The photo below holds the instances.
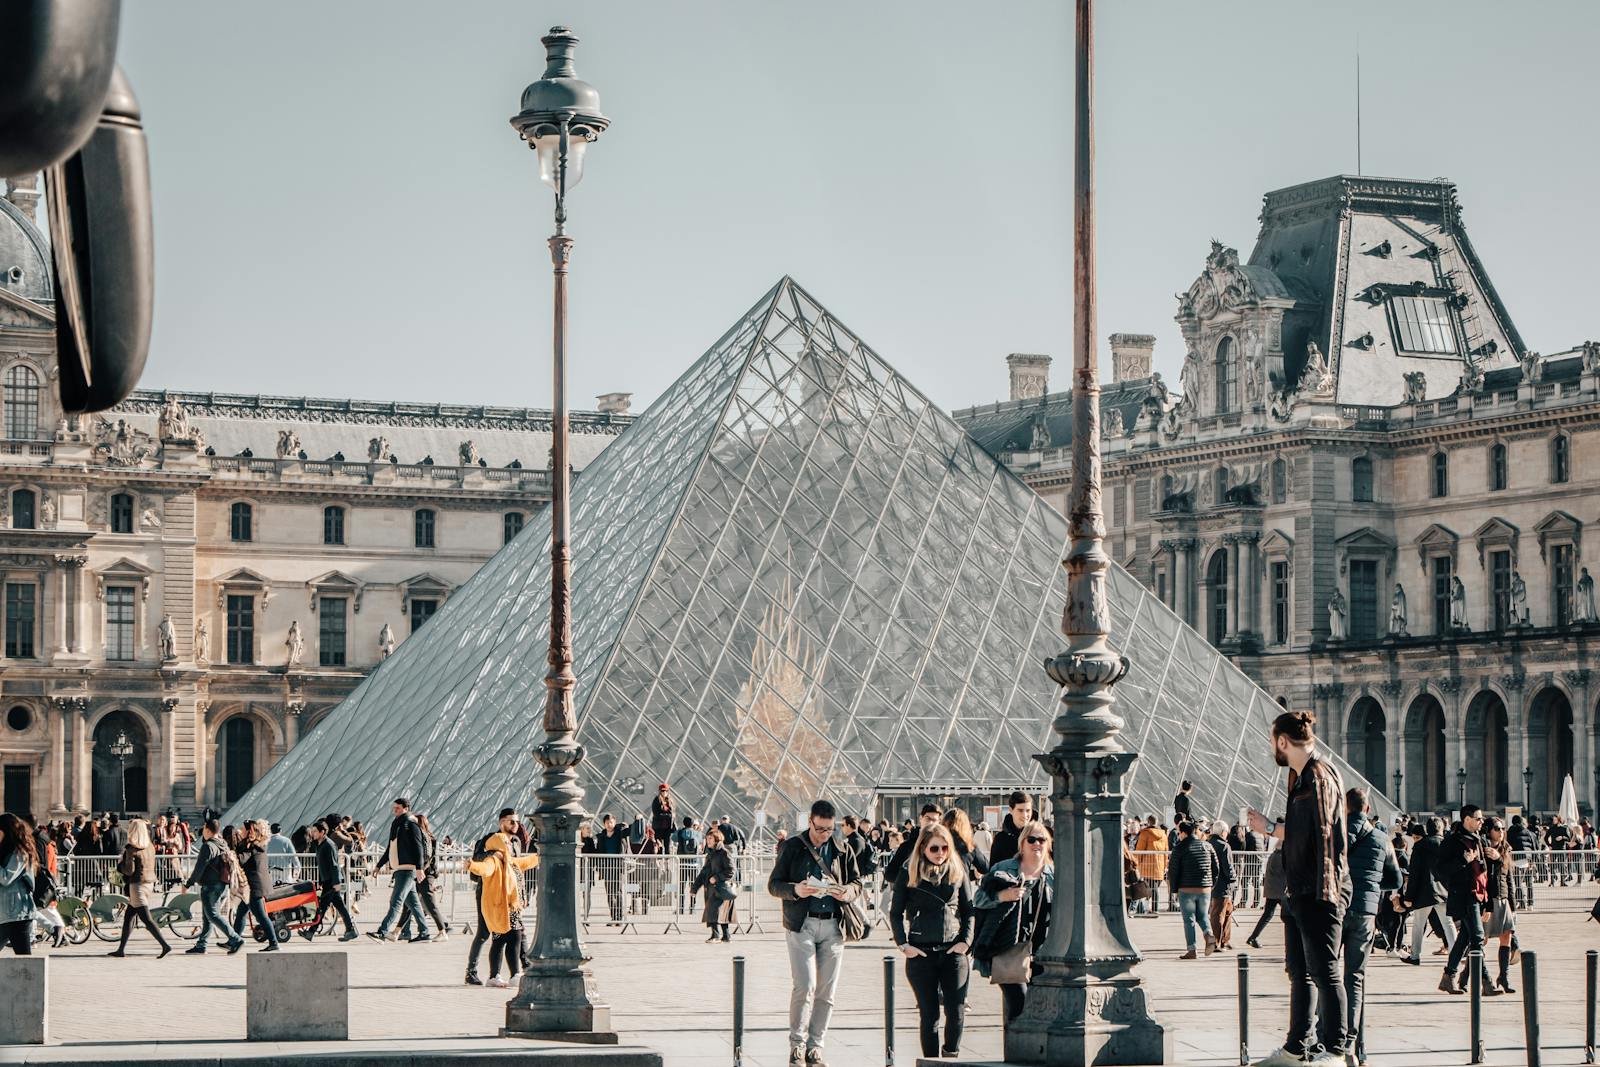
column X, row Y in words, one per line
column 1475, row 987
column 1244, row 1010
column 888, row 1011
column 738, row 1011
column 1530, row 1006
column 1591, row 973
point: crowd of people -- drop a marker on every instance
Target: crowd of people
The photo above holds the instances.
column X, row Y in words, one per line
column 955, row 897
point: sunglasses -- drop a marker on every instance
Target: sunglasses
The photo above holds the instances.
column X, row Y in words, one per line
column 1036, row 840
column 937, row 850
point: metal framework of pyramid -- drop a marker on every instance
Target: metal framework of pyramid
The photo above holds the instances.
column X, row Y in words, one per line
column 793, row 577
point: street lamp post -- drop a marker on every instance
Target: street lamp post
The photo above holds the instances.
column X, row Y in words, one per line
column 1461, row 787
column 1527, row 789
column 122, row 748
column 1399, row 803
column 1087, row 1003
column 557, row 997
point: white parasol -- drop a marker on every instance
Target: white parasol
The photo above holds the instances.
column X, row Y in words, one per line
column 1568, row 809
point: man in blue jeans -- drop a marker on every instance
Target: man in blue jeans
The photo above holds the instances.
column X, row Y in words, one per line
column 404, row 857
column 211, row 874
column 1193, row 872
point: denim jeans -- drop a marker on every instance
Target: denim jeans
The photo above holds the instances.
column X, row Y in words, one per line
column 1195, row 908
column 815, row 952
column 1469, row 936
column 1311, row 934
column 211, row 915
column 1357, row 937
column 403, row 896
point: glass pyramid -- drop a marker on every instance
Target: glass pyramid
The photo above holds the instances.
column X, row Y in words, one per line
column 793, row 576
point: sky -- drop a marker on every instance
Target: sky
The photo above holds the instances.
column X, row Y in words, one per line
column 342, row 208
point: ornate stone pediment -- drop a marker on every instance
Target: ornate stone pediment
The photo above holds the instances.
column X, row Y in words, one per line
column 20, row 311
column 1436, row 540
column 243, row 581
column 336, row 584
column 1496, row 533
column 1365, row 542
column 1278, row 543
column 1559, row 527
column 123, row 572
column 1223, row 286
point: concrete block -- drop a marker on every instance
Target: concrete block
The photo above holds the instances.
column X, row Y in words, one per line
column 297, row 996
column 24, row 1011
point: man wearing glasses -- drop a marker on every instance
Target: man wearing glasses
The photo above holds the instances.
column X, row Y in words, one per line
column 812, row 874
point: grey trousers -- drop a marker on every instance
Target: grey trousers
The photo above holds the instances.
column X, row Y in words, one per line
column 1357, row 936
column 815, row 952
column 1419, row 928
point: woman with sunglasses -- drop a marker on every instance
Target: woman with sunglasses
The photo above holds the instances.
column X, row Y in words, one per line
column 1500, row 918
column 931, row 916
column 1013, row 902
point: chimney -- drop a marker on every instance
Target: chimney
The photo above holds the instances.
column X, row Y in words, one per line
column 613, row 403
column 1030, row 375
column 24, row 193
column 1131, row 355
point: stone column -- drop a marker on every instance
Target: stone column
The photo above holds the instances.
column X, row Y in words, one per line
column 83, row 756
column 1235, row 584
column 161, row 791
column 58, row 759
column 1180, row 579
column 63, row 600
column 1252, row 546
column 1517, row 737
column 1583, row 748
column 80, row 607
column 291, row 724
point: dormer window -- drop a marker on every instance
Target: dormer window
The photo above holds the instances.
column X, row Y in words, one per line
column 1422, row 324
column 1224, row 373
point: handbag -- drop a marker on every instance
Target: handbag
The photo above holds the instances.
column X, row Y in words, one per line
column 725, row 891
column 1013, row 966
column 853, row 922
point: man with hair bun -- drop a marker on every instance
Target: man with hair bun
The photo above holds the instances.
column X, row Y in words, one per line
column 1317, row 882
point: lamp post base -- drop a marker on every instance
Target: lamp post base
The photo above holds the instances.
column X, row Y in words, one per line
column 557, row 1003
column 1098, row 1021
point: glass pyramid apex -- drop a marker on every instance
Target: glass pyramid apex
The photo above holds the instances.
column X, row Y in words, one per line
column 793, row 576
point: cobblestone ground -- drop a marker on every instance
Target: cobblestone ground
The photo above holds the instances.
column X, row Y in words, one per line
column 673, row 992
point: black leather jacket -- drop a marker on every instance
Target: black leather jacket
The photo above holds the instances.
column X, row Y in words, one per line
column 931, row 914
column 793, row 866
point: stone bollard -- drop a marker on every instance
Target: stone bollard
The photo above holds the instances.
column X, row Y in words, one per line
column 24, row 1013
column 297, row 996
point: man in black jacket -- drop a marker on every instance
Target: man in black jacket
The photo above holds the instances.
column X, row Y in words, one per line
column 405, row 856
column 1423, row 895
column 612, row 844
column 859, row 845
column 1461, row 870
column 1005, row 839
column 929, row 816
column 330, row 880
column 1373, row 872
column 813, row 873
column 211, row 875
column 1523, row 844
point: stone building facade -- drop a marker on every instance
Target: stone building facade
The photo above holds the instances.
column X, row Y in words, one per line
column 1368, row 491
column 205, row 575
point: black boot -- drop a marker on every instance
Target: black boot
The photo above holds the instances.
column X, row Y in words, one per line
column 1504, row 982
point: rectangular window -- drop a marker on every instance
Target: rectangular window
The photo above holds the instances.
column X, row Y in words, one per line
column 1441, row 475
column 119, row 622
column 21, row 612
column 424, row 528
column 511, row 525
column 1161, row 586
column 1442, row 573
column 239, row 524
column 331, row 632
column 1500, row 587
column 1280, row 603
column 1363, row 599
column 1561, row 584
column 241, row 629
column 333, row 526
column 1422, row 324
column 422, row 609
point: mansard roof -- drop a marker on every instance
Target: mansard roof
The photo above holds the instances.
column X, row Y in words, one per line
column 1008, row 426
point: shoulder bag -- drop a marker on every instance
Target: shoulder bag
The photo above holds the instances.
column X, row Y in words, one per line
column 853, row 922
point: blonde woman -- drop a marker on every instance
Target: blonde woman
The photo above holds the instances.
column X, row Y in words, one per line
column 931, row 916
column 1013, row 902
column 500, row 877
column 252, row 853
column 137, row 866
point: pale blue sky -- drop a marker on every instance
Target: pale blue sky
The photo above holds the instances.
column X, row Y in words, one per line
column 342, row 208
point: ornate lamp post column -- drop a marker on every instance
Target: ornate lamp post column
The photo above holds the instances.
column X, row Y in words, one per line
column 557, row 996
column 122, row 748
column 1087, row 1003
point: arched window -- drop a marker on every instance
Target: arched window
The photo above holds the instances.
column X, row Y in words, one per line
column 424, row 527
column 22, row 509
column 121, row 513
column 22, row 403
column 511, row 525
column 1499, row 472
column 1361, row 480
column 333, row 525
column 1224, row 375
column 1560, row 459
column 241, row 524
column 1441, row 475
column 1221, row 484
column 1280, row 481
column 1217, row 573
column 236, row 750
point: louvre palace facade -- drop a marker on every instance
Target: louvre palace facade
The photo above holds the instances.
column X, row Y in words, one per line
column 206, row 575
column 1365, row 488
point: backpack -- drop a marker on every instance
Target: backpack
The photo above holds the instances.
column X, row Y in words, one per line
column 44, row 889
column 237, row 883
column 686, row 842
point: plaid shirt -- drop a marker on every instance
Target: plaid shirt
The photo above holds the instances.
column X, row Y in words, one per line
column 1314, row 836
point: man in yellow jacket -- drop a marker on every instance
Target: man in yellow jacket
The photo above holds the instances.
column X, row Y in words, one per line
column 501, row 904
column 1151, row 850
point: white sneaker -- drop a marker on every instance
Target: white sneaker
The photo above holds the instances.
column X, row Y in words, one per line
column 497, row 983
column 1330, row 1059
column 442, row 936
column 1281, row 1057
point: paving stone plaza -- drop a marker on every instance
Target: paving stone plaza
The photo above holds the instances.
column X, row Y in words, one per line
column 673, row 993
